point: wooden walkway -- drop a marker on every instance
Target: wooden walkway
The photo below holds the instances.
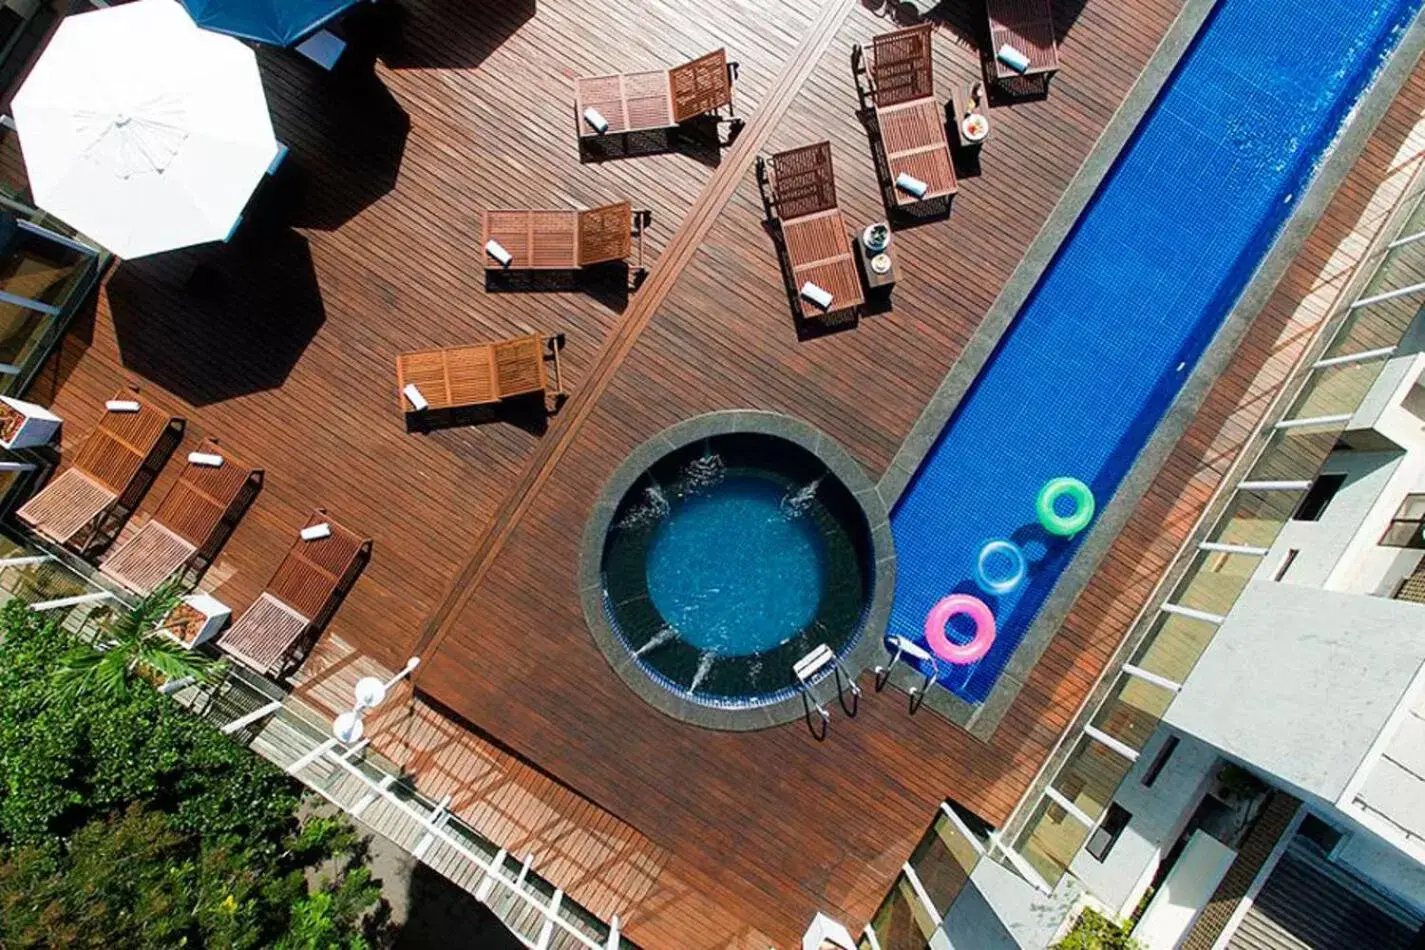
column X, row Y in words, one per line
column 282, row 345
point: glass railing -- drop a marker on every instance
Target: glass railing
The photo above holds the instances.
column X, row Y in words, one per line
column 1167, row 641
column 1172, row 638
column 928, row 883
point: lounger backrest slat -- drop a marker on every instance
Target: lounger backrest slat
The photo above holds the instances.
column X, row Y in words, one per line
column 470, row 375
column 519, row 366
column 426, row 371
column 803, row 182
column 201, row 498
column 646, row 100
column 1028, row 26
column 312, row 571
column 913, row 140
column 553, row 239
column 902, row 69
column 605, row 233
column 603, row 94
column 510, row 229
column 700, row 86
column 115, row 451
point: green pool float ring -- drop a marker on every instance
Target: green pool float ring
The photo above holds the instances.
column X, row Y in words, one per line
column 1065, row 526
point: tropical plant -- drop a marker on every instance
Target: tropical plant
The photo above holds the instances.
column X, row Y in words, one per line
column 131, row 879
column 127, row 821
column 133, row 644
column 1094, row 931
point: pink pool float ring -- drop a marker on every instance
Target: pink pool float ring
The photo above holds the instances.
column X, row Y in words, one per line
column 954, row 605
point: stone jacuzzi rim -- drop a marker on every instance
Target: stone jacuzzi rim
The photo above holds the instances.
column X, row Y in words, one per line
column 868, row 648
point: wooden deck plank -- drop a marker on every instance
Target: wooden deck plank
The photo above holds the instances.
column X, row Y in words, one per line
column 281, row 346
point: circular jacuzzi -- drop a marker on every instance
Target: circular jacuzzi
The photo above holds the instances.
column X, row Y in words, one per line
column 722, row 552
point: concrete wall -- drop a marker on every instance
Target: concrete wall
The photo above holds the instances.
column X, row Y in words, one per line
column 1159, row 814
column 1321, row 544
column 1298, row 682
column 1391, row 416
column 1388, row 869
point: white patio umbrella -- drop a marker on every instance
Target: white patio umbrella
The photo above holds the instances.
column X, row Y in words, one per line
column 143, row 131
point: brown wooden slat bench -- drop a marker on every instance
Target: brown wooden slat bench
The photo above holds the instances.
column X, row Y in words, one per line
column 190, row 525
column 653, row 99
column 480, row 374
column 910, row 119
column 802, row 195
column 108, row 473
column 1026, row 26
column 303, row 593
column 557, row 239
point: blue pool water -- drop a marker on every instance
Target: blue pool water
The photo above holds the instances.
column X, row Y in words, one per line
column 1134, row 295
column 735, row 570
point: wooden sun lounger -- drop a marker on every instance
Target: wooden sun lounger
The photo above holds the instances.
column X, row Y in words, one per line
column 1028, row 26
column 189, row 526
column 480, row 374
column 559, row 239
column 655, row 99
column 300, row 598
column 803, row 197
column 910, row 119
column 107, row 470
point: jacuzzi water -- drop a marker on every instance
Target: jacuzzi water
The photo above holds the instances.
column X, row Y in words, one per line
column 1134, row 295
column 728, row 560
column 734, row 571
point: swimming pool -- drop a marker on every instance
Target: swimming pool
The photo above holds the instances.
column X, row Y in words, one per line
column 1135, row 293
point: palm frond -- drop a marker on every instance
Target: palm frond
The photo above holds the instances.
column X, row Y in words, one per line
column 87, row 671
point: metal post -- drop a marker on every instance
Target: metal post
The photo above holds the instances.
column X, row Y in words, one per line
column 243, row 722
column 1193, row 613
column 1122, row 748
column 1246, row 549
column 1078, row 814
column 173, row 686
column 546, row 932
column 306, row 760
column 74, row 601
column 1388, row 295
column 24, row 561
column 1361, row 357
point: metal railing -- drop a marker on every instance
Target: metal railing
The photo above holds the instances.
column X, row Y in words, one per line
column 371, row 789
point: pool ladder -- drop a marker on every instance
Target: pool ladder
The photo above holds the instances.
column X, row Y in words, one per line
column 806, row 670
column 904, row 647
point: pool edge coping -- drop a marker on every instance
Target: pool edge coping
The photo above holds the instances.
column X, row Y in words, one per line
column 1336, row 163
column 868, row 649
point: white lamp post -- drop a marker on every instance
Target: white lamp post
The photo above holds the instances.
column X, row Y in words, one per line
column 370, row 692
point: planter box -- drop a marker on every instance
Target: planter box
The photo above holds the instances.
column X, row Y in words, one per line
column 24, row 425
column 197, row 619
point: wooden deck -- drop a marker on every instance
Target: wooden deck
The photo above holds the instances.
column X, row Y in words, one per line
column 283, row 344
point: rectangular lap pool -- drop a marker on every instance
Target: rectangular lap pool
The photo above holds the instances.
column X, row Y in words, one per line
column 1096, row 356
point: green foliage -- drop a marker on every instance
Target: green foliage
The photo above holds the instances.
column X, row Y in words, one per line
column 66, row 756
column 135, row 646
column 1093, row 931
column 127, row 821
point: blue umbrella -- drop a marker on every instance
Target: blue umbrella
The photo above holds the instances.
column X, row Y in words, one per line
column 276, row 22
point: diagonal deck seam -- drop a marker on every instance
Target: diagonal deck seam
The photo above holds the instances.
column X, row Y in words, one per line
column 664, row 275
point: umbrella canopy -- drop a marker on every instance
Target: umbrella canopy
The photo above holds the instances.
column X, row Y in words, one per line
column 143, row 131
column 276, row 22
